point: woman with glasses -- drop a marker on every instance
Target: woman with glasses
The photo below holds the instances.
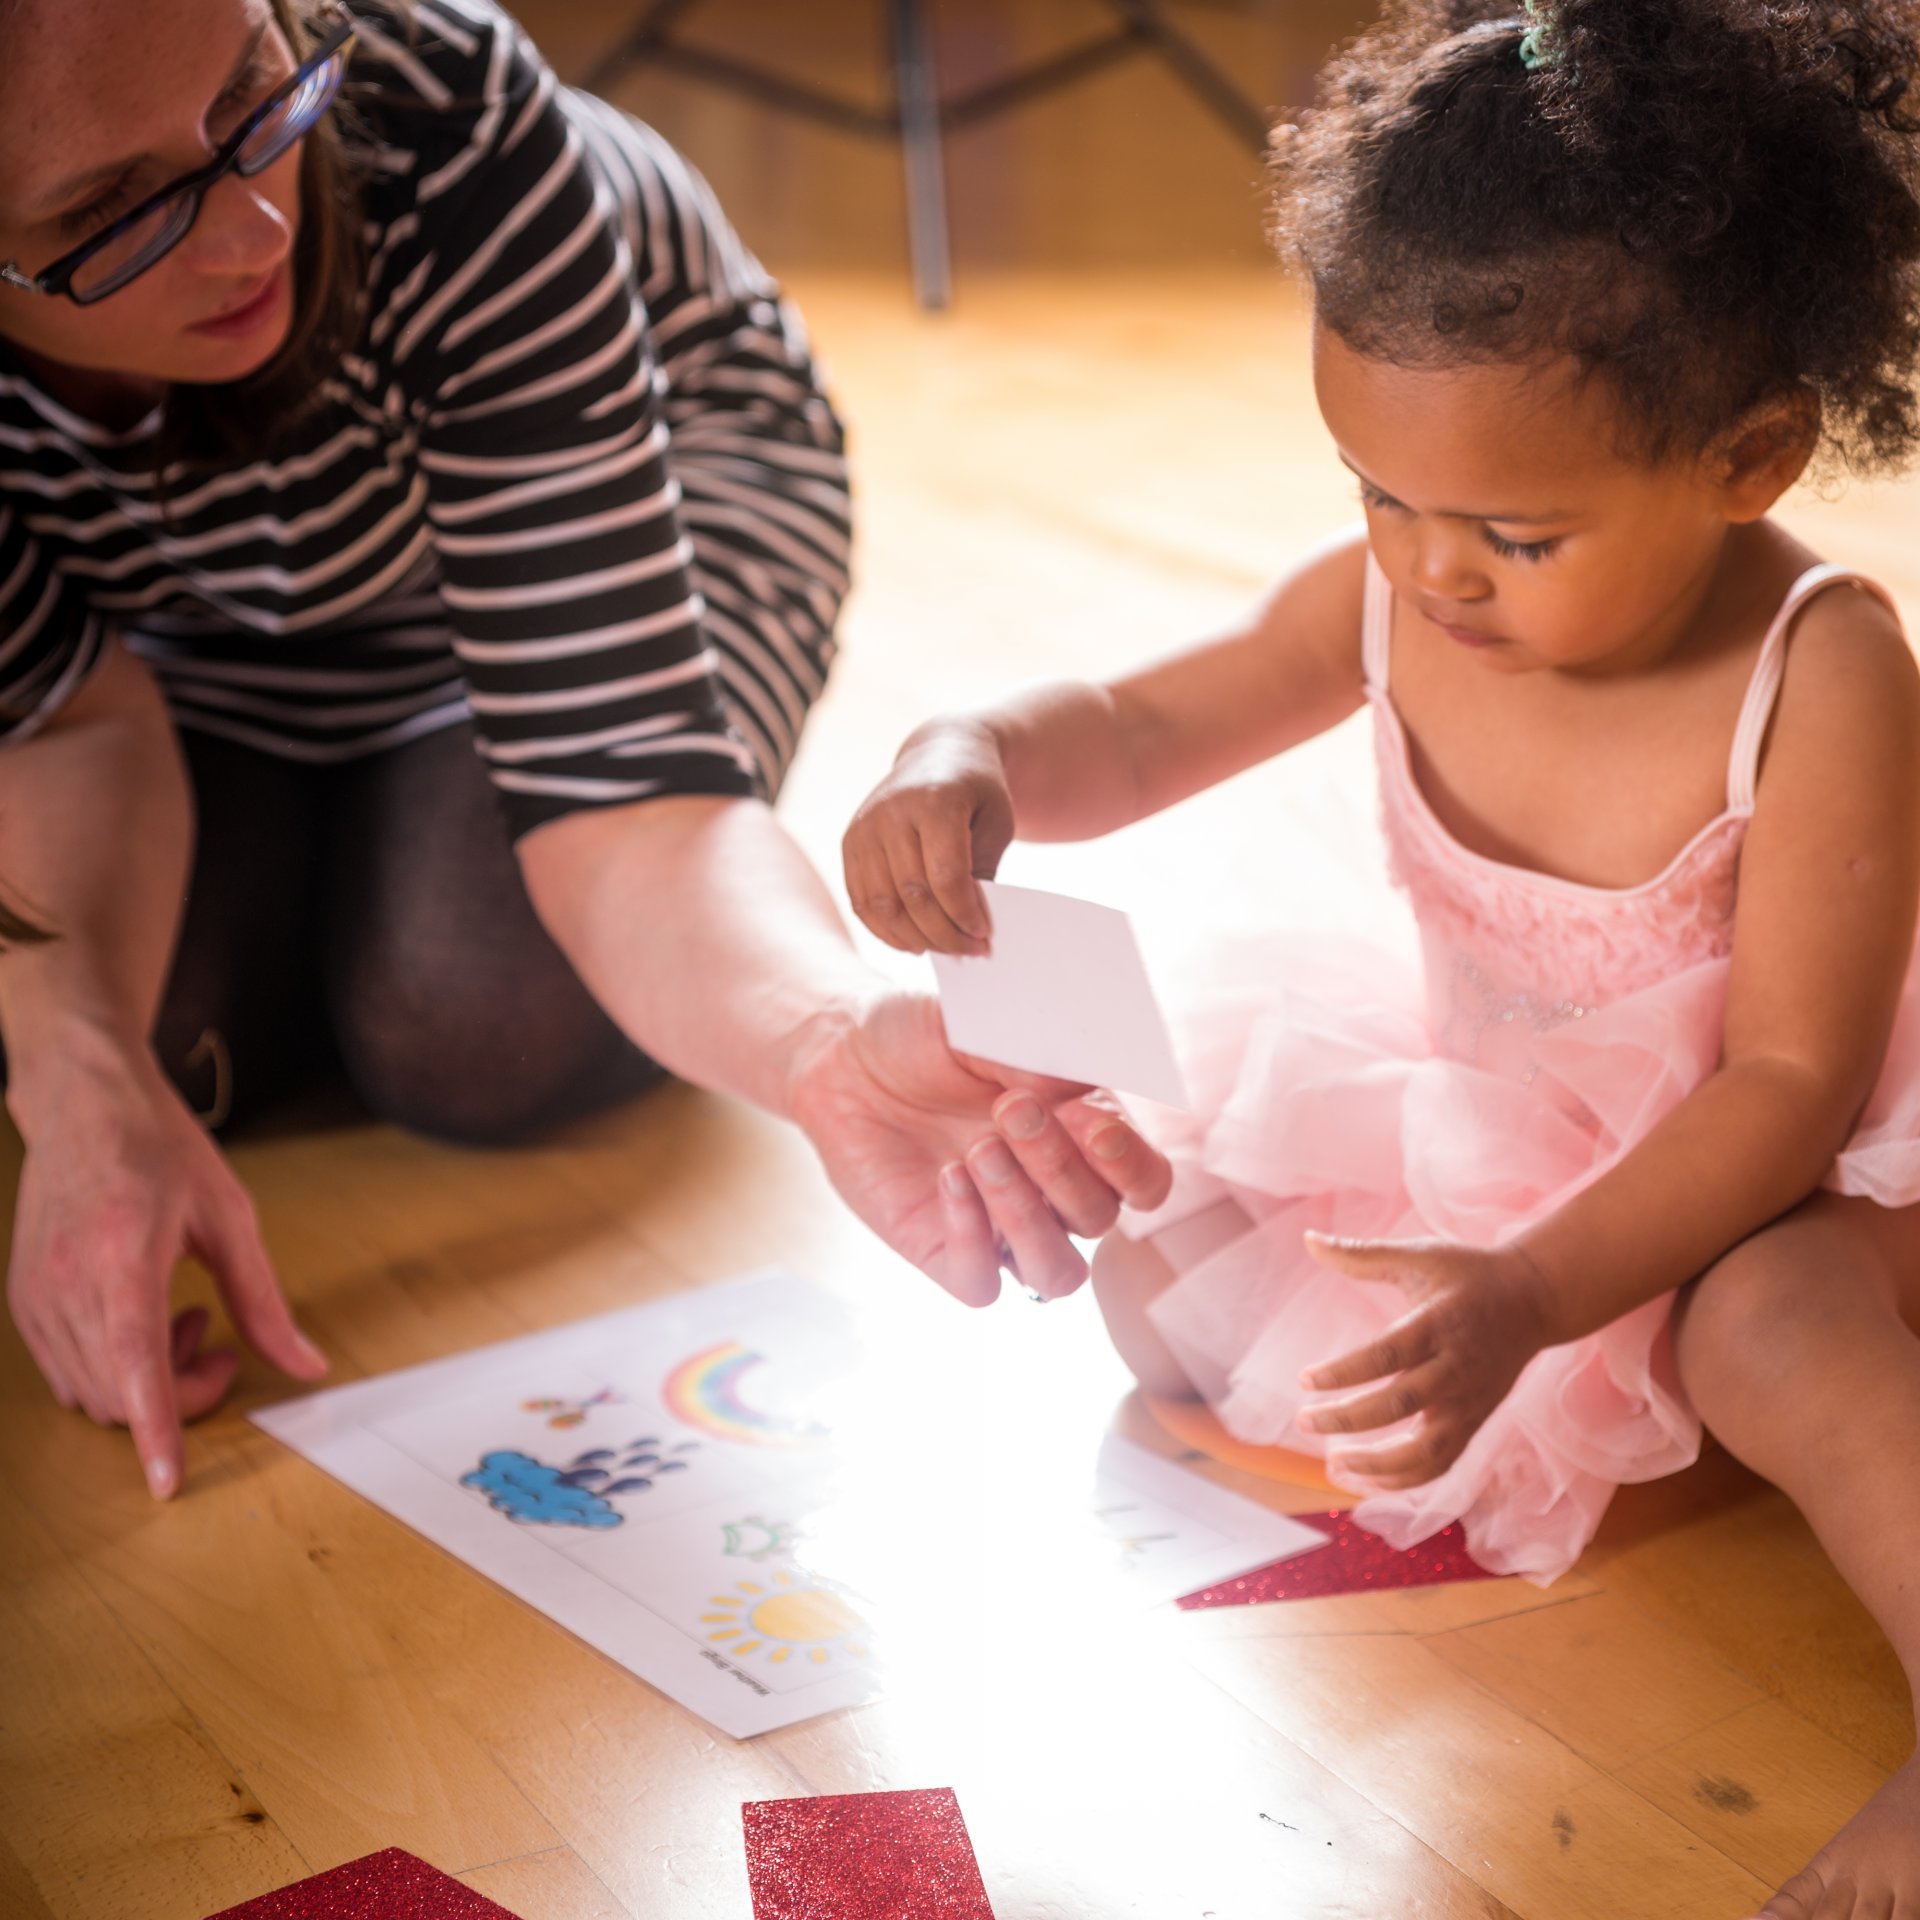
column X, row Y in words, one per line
column 421, row 535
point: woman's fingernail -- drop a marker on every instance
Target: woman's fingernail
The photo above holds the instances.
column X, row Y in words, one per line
column 312, row 1354
column 953, row 1177
column 1023, row 1118
column 991, row 1160
column 1110, row 1143
column 161, row 1482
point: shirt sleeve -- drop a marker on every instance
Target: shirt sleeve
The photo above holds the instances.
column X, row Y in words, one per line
column 50, row 639
column 520, row 339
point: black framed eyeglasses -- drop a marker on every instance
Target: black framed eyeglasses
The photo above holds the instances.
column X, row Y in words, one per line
column 128, row 246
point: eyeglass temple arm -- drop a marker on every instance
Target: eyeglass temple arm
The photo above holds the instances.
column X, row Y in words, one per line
column 15, row 278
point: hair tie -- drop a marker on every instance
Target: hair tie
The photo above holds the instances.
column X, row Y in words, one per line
column 1540, row 44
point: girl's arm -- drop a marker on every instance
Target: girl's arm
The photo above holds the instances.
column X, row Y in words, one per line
column 1074, row 760
column 119, row 1181
column 1829, row 880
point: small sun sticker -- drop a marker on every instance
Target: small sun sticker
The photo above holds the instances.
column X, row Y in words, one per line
column 784, row 1617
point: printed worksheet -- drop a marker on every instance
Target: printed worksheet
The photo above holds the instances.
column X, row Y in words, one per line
column 657, row 1481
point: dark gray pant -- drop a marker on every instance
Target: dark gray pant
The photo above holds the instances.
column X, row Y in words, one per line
column 370, row 918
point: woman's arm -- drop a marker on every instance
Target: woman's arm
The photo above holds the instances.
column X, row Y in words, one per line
column 1075, row 760
column 701, row 928
column 119, row 1181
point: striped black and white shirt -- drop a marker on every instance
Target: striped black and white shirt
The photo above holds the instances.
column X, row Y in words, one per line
column 577, row 480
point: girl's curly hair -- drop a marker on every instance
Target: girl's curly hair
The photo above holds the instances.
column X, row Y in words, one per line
column 1708, row 203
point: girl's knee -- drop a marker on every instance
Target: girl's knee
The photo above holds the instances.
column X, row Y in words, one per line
column 1798, row 1292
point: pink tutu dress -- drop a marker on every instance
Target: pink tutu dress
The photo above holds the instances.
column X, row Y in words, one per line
column 1555, row 1024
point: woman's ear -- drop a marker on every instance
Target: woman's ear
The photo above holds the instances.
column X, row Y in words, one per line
column 1764, row 452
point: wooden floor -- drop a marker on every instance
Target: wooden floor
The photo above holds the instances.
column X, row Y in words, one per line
column 201, row 1702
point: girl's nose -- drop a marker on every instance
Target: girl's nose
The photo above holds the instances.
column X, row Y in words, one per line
column 1445, row 564
column 240, row 232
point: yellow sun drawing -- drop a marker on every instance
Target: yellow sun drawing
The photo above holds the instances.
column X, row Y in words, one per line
column 782, row 1616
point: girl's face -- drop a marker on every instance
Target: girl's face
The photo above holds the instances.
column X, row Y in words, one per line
column 1498, row 505
column 101, row 103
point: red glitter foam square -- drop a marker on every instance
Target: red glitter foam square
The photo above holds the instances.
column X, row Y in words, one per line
column 1352, row 1561
column 863, row 1856
column 391, row 1885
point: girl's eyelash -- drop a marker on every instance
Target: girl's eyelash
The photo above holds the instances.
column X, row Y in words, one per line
column 1507, row 549
column 1518, row 549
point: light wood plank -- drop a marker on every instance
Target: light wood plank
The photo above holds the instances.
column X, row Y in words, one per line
column 1541, row 1828
column 109, row 1787
column 555, row 1885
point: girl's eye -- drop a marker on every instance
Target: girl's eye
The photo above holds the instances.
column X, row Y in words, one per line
column 1518, row 549
column 1371, row 496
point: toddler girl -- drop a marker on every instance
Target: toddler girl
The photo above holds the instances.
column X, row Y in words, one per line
column 1592, row 286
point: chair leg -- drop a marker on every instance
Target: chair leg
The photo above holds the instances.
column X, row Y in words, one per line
column 1148, row 19
column 917, row 88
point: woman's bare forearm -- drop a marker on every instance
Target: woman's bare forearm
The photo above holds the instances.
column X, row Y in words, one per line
column 700, row 927
column 96, row 834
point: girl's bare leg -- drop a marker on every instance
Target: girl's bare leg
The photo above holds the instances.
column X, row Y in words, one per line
column 1801, row 1352
column 1129, row 1274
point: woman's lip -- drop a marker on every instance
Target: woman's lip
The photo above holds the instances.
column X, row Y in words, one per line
column 250, row 312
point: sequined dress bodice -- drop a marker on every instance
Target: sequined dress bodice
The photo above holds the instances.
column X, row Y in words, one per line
column 1512, row 953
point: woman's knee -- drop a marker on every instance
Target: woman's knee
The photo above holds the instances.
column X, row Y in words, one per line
column 463, row 1062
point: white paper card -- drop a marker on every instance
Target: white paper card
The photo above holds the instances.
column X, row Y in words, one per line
column 1177, row 1533
column 1064, row 992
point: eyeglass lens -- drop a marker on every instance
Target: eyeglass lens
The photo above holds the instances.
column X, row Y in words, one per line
column 132, row 252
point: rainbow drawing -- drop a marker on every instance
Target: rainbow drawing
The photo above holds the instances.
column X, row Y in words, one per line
column 703, row 1392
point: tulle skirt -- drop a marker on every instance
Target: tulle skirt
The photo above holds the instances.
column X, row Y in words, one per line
column 1321, row 1101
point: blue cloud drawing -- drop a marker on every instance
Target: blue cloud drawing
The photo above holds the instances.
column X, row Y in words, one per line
column 521, row 1488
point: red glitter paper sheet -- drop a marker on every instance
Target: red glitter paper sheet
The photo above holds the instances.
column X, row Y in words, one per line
column 392, row 1885
column 863, row 1856
column 1352, row 1561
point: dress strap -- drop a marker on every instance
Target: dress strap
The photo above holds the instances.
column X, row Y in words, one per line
column 1376, row 627
column 1743, row 770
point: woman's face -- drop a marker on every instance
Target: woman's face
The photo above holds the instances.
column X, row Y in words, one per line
column 101, row 103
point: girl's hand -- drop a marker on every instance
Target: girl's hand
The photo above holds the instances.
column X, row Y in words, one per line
column 120, row 1182
column 925, row 837
column 1478, row 1318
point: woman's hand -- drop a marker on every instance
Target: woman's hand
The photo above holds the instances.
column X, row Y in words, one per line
column 1478, row 1317
column 120, row 1182
column 951, row 1160
column 926, row 836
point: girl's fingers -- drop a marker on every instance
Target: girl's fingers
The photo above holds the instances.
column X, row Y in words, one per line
column 874, row 897
column 1404, row 1345
column 1054, row 1162
column 917, row 896
column 1393, row 1465
column 970, row 1258
column 1379, row 1407
column 200, row 1380
column 1047, row 1260
column 1139, row 1173
column 948, row 854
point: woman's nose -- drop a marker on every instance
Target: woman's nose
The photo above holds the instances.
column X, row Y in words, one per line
column 240, row 232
